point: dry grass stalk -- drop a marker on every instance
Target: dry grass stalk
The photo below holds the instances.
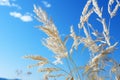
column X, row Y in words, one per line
column 41, row 63
column 77, row 40
column 56, row 76
column 48, row 69
column 84, row 18
column 96, row 8
column 53, row 42
column 88, row 42
column 40, row 17
column 58, row 60
column 85, row 10
column 104, row 53
column 99, row 44
column 105, row 31
column 112, row 13
column 42, row 60
column 39, row 58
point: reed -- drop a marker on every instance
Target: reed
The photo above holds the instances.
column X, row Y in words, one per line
column 98, row 43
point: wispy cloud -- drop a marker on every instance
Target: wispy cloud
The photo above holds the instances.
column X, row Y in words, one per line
column 16, row 5
column 9, row 4
column 4, row 3
column 25, row 18
column 46, row 4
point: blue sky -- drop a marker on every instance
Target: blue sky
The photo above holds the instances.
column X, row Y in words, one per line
column 19, row 37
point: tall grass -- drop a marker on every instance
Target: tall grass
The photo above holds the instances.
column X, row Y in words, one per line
column 98, row 43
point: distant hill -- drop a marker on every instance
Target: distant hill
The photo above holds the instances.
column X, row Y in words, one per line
column 8, row 79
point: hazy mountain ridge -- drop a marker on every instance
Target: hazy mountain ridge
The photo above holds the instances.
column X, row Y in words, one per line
column 8, row 79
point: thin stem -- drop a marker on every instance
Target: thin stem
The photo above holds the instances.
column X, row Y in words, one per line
column 74, row 64
column 68, row 65
column 109, row 24
column 60, row 68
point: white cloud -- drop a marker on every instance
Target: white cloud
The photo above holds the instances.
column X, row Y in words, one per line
column 15, row 5
column 4, row 2
column 24, row 18
column 7, row 3
column 15, row 14
column 48, row 5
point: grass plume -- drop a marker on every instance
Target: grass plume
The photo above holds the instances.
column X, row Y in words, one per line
column 98, row 43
